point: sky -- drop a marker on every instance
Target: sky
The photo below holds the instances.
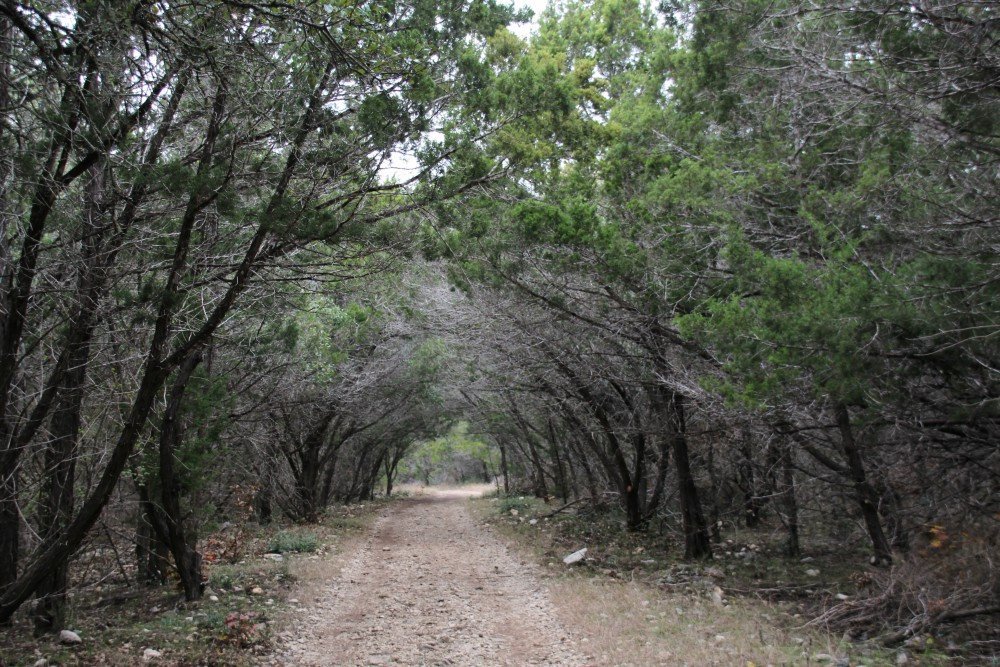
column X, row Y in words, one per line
column 523, row 29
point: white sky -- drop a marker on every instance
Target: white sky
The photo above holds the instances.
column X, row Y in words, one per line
column 524, row 29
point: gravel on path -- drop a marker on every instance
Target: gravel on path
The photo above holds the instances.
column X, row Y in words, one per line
column 431, row 587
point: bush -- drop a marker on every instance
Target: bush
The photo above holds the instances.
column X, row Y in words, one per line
column 289, row 541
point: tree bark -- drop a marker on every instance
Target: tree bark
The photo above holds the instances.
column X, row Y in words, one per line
column 864, row 493
column 789, row 504
column 696, row 540
column 178, row 538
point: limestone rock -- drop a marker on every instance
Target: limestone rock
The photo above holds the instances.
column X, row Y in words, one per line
column 575, row 557
column 69, row 637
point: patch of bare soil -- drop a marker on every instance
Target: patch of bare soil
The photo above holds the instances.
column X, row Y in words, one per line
column 430, row 587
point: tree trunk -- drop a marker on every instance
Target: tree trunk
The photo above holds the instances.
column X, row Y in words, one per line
column 57, row 501
column 503, row 469
column 56, row 507
column 748, row 485
column 696, row 540
column 10, row 529
column 789, row 504
column 152, row 555
column 865, row 495
column 178, row 537
column 10, row 517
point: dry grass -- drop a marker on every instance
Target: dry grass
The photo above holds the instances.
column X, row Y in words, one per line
column 628, row 623
column 631, row 609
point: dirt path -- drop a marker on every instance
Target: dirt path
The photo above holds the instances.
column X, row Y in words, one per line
column 430, row 587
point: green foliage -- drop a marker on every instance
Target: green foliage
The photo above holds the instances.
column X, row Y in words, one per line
column 293, row 541
column 455, row 457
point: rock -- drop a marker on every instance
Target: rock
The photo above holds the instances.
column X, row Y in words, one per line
column 533, row 522
column 514, row 512
column 41, row 662
column 210, row 591
column 277, row 558
column 902, row 658
column 256, row 590
column 812, row 572
column 714, row 572
column 575, row 557
column 720, row 638
column 213, row 598
column 841, row 597
column 823, row 657
column 807, row 559
column 151, row 654
column 717, row 596
column 69, row 637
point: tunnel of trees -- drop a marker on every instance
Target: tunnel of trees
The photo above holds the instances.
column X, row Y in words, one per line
column 703, row 264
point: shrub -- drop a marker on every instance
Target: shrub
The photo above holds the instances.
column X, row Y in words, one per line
column 293, row 541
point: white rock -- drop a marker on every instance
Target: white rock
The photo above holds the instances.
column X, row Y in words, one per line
column 257, row 590
column 902, row 658
column 151, row 654
column 41, row 662
column 842, row 597
column 533, row 522
column 717, row 595
column 69, row 637
column 213, row 598
column 575, row 557
column 823, row 657
column 812, row 573
column 277, row 558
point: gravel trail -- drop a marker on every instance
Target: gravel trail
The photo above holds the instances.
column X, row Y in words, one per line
column 431, row 587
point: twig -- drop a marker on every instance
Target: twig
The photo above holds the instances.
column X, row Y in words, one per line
column 901, row 635
column 118, row 558
column 566, row 506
